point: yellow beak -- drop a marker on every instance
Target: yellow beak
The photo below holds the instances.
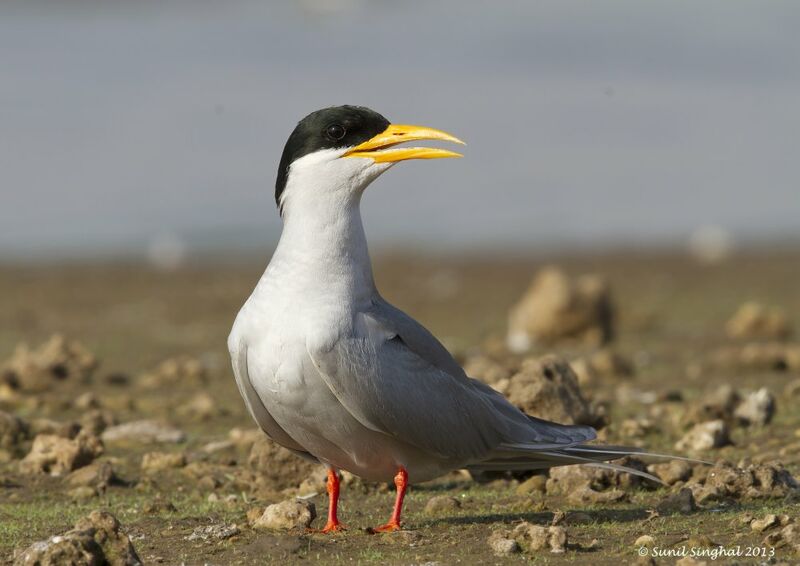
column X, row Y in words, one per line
column 379, row 147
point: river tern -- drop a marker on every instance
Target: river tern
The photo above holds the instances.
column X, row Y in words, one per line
column 333, row 372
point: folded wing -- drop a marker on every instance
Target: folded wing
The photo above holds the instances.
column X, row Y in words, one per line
column 394, row 377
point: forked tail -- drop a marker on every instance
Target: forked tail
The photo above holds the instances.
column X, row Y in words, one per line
column 520, row 458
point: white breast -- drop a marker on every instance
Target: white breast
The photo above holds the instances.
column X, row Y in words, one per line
column 319, row 278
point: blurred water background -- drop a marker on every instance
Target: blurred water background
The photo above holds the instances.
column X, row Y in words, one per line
column 129, row 128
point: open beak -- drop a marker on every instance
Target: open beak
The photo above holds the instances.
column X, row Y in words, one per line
column 379, row 148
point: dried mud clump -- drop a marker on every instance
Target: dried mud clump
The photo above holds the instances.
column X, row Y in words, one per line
column 715, row 404
column 57, row 456
column 210, row 476
column 726, row 481
column 529, row 538
column 788, row 536
column 724, row 403
column 535, row 537
column 535, row 484
column 585, row 485
column 95, row 539
column 547, row 388
column 97, row 476
column 705, row 436
column 635, row 429
column 757, row 408
column 158, row 505
column 277, row 468
column 769, row 521
column 671, row 472
column 214, row 532
column 286, row 515
column 489, row 370
column 756, row 321
column 502, row 544
column 97, row 420
column 154, row 462
column 57, row 360
column 602, row 365
column 64, row 429
column 681, row 503
column 13, row 432
column 144, row 432
column 180, row 370
column 585, row 495
column 201, row 407
column 766, row 356
column 315, row 483
column 556, row 309
column 244, row 438
column 441, row 505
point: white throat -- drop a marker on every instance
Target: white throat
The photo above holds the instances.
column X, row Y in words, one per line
column 323, row 249
column 327, row 245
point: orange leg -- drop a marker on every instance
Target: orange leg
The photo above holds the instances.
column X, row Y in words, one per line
column 401, row 483
column 333, row 525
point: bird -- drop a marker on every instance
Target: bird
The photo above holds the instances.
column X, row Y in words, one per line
column 333, row 372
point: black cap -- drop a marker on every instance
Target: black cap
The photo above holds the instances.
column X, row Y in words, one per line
column 329, row 128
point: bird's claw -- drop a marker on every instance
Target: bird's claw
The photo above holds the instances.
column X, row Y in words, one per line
column 329, row 527
column 389, row 527
column 333, row 528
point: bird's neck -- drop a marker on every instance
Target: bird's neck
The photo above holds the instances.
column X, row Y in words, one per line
column 323, row 248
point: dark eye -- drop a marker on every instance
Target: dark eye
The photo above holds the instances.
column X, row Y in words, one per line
column 335, row 131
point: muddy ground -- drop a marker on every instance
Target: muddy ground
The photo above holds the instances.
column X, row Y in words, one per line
column 184, row 496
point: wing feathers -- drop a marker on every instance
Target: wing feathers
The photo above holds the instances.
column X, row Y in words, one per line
column 384, row 381
column 395, row 377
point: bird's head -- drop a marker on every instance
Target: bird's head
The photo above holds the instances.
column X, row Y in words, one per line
column 338, row 151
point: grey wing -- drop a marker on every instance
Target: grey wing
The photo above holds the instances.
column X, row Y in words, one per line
column 255, row 406
column 391, row 387
column 417, row 337
column 391, row 320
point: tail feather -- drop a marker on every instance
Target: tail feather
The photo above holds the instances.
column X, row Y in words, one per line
column 537, row 458
column 612, row 452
